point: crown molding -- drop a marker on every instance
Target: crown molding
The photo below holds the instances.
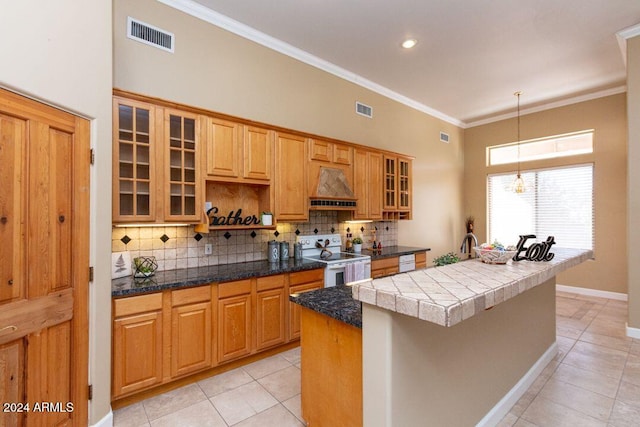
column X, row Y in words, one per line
column 549, row 106
column 201, row 12
column 623, row 36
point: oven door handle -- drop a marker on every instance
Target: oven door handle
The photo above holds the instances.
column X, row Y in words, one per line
column 336, row 267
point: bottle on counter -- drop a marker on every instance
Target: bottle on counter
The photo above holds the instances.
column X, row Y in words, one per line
column 375, row 245
column 348, row 246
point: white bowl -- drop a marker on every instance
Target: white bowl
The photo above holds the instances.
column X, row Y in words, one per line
column 494, row 256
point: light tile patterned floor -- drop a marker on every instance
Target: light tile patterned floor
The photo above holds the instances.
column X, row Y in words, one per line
column 593, row 381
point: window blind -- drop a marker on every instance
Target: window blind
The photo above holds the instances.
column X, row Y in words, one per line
column 557, row 202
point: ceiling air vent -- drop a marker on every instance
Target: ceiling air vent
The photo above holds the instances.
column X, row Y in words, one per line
column 364, row 110
column 444, row 137
column 148, row 34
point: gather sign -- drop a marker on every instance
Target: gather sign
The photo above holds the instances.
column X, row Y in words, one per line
column 233, row 218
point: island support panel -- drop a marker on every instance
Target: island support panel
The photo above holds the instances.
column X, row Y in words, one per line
column 417, row 373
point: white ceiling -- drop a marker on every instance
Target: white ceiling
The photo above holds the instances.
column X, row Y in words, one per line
column 472, row 55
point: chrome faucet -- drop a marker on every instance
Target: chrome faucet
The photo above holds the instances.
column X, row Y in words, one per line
column 467, row 242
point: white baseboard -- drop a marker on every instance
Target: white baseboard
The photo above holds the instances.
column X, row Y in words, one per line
column 592, row 292
column 503, row 407
column 633, row 332
column 106, row 421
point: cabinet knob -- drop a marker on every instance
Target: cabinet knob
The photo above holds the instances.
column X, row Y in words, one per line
column 61, row 218
column 3, row 220
column 10, row 282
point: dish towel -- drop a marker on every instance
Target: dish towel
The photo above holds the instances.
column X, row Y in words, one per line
column 353, row 272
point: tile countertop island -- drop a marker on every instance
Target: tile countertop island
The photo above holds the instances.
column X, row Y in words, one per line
column 449, row 294
column 456, row 345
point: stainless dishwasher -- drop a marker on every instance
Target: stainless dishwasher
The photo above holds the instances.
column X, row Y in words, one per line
column 406, row 263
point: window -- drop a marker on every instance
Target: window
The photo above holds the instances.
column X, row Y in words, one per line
column 544, row 148
column 557, row 202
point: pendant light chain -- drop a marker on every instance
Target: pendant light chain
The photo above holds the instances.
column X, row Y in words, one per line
column 518, row 184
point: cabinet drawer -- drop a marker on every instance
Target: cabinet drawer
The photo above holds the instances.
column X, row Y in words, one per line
column 306, row 276
column 421, row 259
column 231, row 289
column 270, row 282
column 137, row 304
column 384, row 263
column 190, row 296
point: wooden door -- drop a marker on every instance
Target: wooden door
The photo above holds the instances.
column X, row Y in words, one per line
column 361, row 184
column 190, row 337
column 390, row 183
column 291, row 178
column 258, row 148
column 44, row 262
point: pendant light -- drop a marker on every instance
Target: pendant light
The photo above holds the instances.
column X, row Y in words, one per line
column 518, row 184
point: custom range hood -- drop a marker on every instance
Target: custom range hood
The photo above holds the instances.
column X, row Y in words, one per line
column 332, row 191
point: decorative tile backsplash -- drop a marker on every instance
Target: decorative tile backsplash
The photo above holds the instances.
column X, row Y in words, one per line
column 181, row 247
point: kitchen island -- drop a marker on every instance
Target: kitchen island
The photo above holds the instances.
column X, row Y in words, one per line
column 455, row 345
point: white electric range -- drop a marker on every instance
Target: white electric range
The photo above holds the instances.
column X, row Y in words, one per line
column 342, row 267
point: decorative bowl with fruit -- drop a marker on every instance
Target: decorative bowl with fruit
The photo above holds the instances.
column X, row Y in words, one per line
column 495, row 253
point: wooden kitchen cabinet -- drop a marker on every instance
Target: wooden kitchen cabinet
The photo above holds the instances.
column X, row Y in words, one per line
column 236, row 152
column 421, row 260
column 303, row 281
column 368, row 184
column 384, row 267
column 156, row 166
column 234, row 320
column 137, row 343
column 397, row 199
column 191, row 325
column 291, row 198
column 183, row 193
column 135, row 160
column 271, row 303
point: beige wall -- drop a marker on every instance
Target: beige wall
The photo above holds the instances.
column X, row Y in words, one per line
column 414, row 370
column 607, row 116
column 214, row 69
column 59, row 52
column 633, row 190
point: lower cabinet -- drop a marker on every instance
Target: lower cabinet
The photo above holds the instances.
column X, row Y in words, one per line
column 271, row 302
column 137, row 343
column 384, row 267
column 234, row 320
column 191, row 324
column 166, row 335
column 300, row 282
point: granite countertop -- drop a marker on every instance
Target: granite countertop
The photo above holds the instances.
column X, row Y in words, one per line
column 335, row 302
column 391, row 251
column 189, row 277
column 449, row 294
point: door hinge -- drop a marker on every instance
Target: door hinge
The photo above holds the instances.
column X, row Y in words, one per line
column 90, row 392
column 90, row 274
column 92, row 156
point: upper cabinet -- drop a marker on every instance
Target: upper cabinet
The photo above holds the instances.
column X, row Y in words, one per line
column 397, row 197
column 182, row 195
column 156, row 177
column 135, row 160
column 292, row 203
column 236, row 152
column 368, row 184
column 330, row 152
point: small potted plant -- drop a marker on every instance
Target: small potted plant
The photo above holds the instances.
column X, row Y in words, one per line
column 357, row 244
column 266, row 218
column 445, row 259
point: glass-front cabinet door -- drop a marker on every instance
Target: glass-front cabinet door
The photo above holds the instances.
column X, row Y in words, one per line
column 404, row 184
column 134, row 165
column 390, row 183
column 182, row 195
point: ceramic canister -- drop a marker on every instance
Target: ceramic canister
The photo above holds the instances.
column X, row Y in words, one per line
column 273, row 254
column 284, row 251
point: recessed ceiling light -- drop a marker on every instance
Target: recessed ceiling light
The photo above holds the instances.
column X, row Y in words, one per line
column 409, row 43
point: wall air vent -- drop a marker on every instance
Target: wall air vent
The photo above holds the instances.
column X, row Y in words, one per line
column 364, row 110
column 148, row 34
column 444, row 137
